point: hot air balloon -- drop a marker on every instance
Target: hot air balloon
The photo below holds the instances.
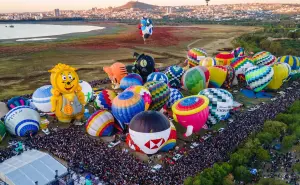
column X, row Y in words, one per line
column 158, row 76
column 224, row 58
column 3, row 109
column 41, row 98
column 101, row 123
column 116, row 72
column 194, row 80
column 195, row 55
column 144, row 65
column 174, row 74
column 126, row 105
column 191, row 112
column 264, row 58
column 2, row 131
column 208, row 62
column 220, row 103
column 17, row 101
column 171, row 142
column 149, row 131
column 160, row 93
column 241, row 64
column 22, row 121
column 229, row 77
column 87, row 90
column 143, row 92
column 146, row 27
column 218, row 76
column 130, row 80
column 259, row 77
column 175, row 95
column 238, row 52
column 281, row 72
column 293, row 61
column 288, row 68
column 104, row 99
column 207, row 2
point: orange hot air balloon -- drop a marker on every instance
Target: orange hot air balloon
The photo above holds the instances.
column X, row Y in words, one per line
column 115, row 73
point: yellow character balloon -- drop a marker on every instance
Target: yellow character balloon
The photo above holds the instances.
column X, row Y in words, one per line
column 67, row 98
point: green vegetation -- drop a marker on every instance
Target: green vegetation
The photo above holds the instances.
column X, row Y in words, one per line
column 253, row 153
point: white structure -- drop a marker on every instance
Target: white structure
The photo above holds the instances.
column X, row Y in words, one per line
column 56, row 13
column 29, row 167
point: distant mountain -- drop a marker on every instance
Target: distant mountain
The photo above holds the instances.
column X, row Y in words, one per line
column 136, row 5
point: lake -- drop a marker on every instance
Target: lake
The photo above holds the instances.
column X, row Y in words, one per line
column 22, row 31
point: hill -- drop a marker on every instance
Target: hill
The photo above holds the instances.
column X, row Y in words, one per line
column 136, row 5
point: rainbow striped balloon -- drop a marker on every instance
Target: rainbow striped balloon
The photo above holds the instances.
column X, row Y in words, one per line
column 259, row 77
column 101, row 123
column 143, row 92
column 218, row 76
column 241, row 64
column 293, row 61
column 264, row 58
column 130, row 80
column 195, row 55
column 104, row 99
column 171, row 142
column 224, row 58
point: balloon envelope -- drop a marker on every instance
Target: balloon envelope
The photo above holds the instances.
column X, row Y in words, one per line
column 293, row 61
column 158, row 76
column 195, row 55
column 224, row 58
column 194, row 80
column 160, row 93
column 175, row 95
column 218, row 76
column 104, row 99
column 130, row 80
column 259, row 77
column 41, row 98
column 101, row 123
column 281, row 72
column 143, row 92
column 174, row 74
column 264, row 58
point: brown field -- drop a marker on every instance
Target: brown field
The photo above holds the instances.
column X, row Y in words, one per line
column 24, row 66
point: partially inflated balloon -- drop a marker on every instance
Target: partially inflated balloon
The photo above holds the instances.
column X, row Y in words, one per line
column 143, row 92
column 130, row 80
column 241, row 64
column 224, row 58
column 101, row 123
column 171, row 142
column 195, row 55
column 281, row 72
column 220, row 103
column 229, row 77
column 194, row 80
column 17, row 101
column 41, row 98
column 157, row 76
column 116, row 72
column 160, row 93
column 238, row 52
column 191, row 112
column 104, row 99
column 264, row 58
column 126, row 105
column 259, row 77
column 218, row 76
column 208, row 62
column 144, row 65
column 175, row 95
column 293, row 61
column 174, row 74
column 87, row 90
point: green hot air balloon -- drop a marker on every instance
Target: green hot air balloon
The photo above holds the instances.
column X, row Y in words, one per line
column 2, row 131
column 194, row 80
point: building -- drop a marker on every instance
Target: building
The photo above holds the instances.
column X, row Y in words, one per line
column 169, row 10
column 56, row 13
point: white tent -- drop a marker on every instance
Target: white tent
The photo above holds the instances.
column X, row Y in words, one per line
column 29, row 167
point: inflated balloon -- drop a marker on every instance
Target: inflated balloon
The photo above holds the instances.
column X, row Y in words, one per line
column 208, row 62
column 144, row 65
column 241, row 64
column 171, row 142
column 16, row 102
column 41, row 98
column 288, row 68
column 264, row 58
column 143, row 92
column 87, row 90
column 101, row 123
column 194, row 80
column 259, row 77
column 104, row 99
column 146, row 27
column 126, row 105
column 218, row 76
column 158, row 76
column 2, row 131
column 281, row 72
column 116, row 72
column 238, row 52
column 160, row 93
column 195, row 55
column 67, row 98
column 220, row 103
column 3, row 109
column 130, row 80
column 224, row 58
column 175, row 95
column 22, row 121
column 191, row 112
column 207, row 75
column 293, row 61
column 149, row 131
column 174, row 74
column 229, row 77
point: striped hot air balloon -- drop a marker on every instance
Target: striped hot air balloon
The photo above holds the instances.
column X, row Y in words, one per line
column 130, row 80
column 195, row 55
column 264, row 58
column 101, row 123
column 293, row 61
column 218, row 76
column 259, row 77
column 241, row 64
column 41, row 98
column 143, row 92
column 224, row 58
column 171, row 142
column 104, row 99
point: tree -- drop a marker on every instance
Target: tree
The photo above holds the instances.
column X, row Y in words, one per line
column 241, row 173
column 188, row 181
column 295, row 108
column 262, row 154
column 297, row 132
column 227, row 167
column 296, row 167
column 297, row 148
column 275, row 48
column 265, row 44
column 271, row 182
column 237, row 159
column 275, row 128
column 206, row 181
column 265, row 138
column 228, row 180
column 288, row 141
column 290, row 51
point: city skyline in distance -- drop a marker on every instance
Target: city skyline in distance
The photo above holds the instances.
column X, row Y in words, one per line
column 17, row 6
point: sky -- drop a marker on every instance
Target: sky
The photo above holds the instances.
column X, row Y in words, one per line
column 7, row 6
